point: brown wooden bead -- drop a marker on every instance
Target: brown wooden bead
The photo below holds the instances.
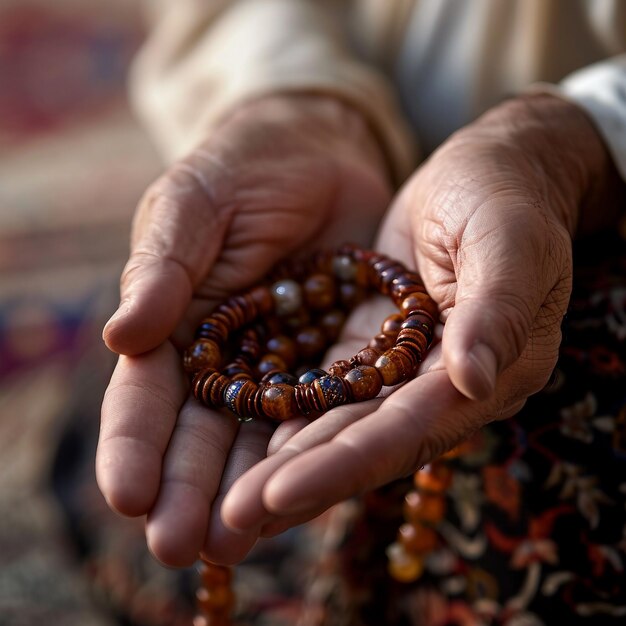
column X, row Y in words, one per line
column 381, row 343
column 387, row 275
column 297, row 320
column 365, row 382
column 319, row 292
column 421, row 322
column 435, row 477
column 332, row 323
column 310, row 341
column 367, row 356
column 262, row 298
column 417, row 302
column 237, row 394
column 285, row 348
column 330, row 391
column 270, row 363
column 395, row 366
column 201, row 354
column 278, row 402
column 351, row 294
column 208, row 386
column 340, row 368
column 391, row 325
column 418, row 538
column 405, row 284
column 415, row 338
column 425, row 507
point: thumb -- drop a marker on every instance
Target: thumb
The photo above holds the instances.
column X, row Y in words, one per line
column 499, row 296
column 177, row 235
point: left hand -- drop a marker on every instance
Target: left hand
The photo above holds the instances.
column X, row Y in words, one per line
column 487, row 222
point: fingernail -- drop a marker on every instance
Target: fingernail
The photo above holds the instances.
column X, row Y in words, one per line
column 486, row 370
column 121, row 312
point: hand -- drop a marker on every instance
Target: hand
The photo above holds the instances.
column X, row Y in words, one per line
column 487, row 222
column 280, row 175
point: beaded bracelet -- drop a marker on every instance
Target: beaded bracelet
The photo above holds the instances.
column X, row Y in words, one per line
column 246, row 350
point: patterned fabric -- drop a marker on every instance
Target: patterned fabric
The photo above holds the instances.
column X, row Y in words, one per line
column 535, row 532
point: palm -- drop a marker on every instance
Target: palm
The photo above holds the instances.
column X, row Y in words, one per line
column 261, row 189
column 493, row 239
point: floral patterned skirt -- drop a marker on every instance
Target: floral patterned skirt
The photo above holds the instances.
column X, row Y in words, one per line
column 535, row 529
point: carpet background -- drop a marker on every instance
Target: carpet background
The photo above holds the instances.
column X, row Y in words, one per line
column 73, row 164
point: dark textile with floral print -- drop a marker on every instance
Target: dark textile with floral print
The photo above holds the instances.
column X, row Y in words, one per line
column 535, row 532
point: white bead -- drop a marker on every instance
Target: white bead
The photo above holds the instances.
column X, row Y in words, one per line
column 287, row 296
column 344, row 268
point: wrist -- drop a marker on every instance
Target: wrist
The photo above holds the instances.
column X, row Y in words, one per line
column 316, row 118
column 563, row 147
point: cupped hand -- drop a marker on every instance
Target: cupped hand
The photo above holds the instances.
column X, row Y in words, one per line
column 487, row 221
column 279, row 176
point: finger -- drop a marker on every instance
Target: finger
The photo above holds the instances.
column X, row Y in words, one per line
column 192, row 470
column 503, row 280
column 387, row 444
column 222, row 544
column 139, row 411
column 177, row 235
column 243, row 507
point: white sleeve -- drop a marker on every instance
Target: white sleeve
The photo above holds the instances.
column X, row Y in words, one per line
column 600, row 90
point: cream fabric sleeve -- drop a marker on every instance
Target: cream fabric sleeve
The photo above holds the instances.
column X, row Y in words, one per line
column 204, row 57
column 600, row 89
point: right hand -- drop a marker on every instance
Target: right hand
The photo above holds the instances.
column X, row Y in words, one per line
column 280, row 176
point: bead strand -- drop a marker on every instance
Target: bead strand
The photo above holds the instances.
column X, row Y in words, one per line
column 246, row 349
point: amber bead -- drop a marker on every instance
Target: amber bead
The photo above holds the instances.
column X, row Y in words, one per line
column 284, row 347
column 416, row 302
column 310, row 341
column 271, row 363
column 435, row 477
column 278, row 402
column 212, row 619
column 332, row 323
column 395, row 366
column 367, row 356
column 391, row 325
column 340, row 368
column 319, row 292
column 365, row 382
column 212, row 574
column 424, row 507
column 381, row 343
column 202, row 353
column 417, row 538
column 216, row 597
column 404, row 567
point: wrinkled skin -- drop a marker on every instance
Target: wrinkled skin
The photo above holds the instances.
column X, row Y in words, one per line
column 487, row 221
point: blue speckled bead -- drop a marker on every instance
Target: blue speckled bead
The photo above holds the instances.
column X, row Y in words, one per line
column 310, row 375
